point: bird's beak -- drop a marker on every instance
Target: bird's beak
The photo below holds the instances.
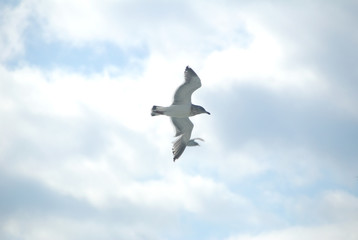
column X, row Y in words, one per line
column 208, row 113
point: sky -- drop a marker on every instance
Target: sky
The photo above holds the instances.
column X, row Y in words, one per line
column 81, row 157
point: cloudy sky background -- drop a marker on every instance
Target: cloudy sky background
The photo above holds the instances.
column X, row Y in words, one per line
column 81, row 157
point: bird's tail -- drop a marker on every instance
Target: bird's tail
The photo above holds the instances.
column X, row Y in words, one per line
column 157, row 110
column 192, row 142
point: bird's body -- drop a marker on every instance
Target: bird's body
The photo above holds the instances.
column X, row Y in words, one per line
column 180, row 111
column 174, row 110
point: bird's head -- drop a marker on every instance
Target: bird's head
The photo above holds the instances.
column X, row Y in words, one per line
column 195, row 109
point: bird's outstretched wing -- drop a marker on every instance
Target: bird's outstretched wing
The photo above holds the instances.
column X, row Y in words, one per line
column 183, row 93
column 183, row 127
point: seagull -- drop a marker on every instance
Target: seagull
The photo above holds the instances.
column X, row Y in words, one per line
column 180, row 111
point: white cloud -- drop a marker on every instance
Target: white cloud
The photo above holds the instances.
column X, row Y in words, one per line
column 246, row 162
column 60, row 109
column 315, row 39
column 59, row 228
column 261, row 63
column 329, row 232
column 13, row 22
column 91, row 137
column 237, row 47
column 330, row 215
column 332, row 206
column 165, row 27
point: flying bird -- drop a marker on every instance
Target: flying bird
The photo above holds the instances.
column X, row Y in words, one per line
column 180, row 111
